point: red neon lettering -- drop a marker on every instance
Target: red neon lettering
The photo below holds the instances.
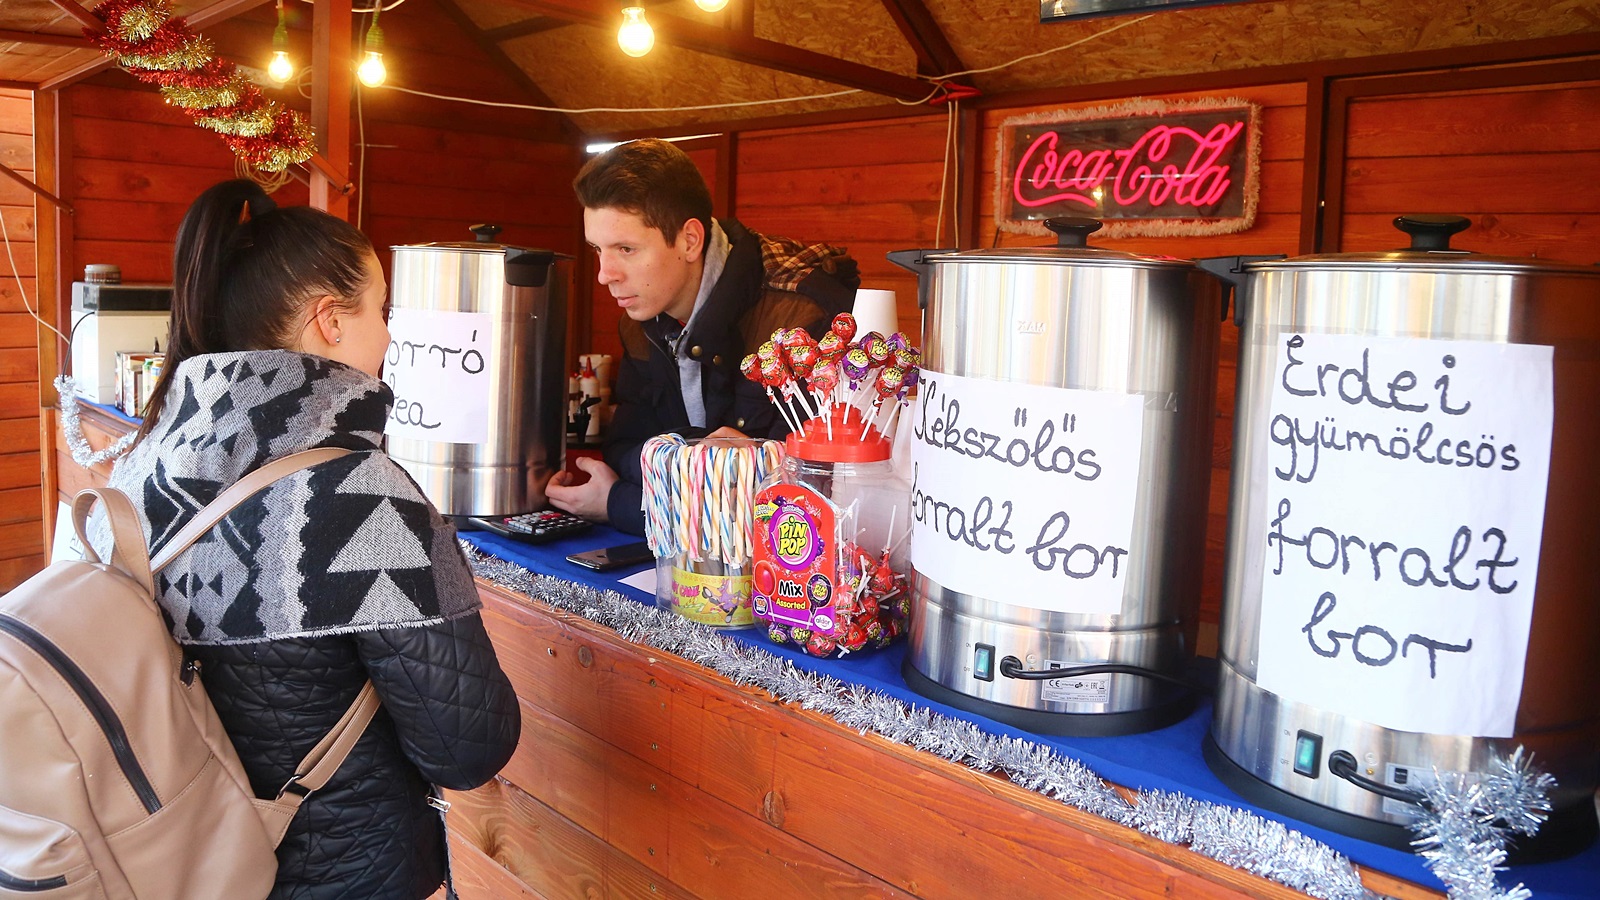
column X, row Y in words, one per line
column 1073, row 176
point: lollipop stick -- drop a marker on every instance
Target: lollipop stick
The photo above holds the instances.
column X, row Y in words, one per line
column 787, row 419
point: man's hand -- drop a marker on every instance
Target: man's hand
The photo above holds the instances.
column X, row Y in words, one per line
column 727, row 432
column 588, row 499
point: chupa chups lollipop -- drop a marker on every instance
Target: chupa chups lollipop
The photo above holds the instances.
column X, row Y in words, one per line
column 844, row 325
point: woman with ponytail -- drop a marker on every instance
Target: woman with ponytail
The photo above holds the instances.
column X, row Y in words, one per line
column 339, row 574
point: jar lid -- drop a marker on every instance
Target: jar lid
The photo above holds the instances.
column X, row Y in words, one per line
column 851, row 440
column 1071, row 248
column 1430, row 251
column 102, row 273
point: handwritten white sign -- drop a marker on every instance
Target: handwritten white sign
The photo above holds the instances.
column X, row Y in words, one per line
column 1023, row 493
column 438, row 366
column 1405, row 492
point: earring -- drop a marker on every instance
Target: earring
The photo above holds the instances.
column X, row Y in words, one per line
column 337, row 339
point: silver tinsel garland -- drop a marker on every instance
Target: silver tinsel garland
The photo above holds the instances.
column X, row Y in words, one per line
column 1460, row 842
column 72, row 427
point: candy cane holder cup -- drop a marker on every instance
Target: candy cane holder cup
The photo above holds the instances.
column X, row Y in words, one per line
column 698, row 497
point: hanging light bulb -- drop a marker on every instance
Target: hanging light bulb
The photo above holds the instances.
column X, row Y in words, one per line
column 635, row 37
column 281, row 69
column 711, row 5
column 372, row 71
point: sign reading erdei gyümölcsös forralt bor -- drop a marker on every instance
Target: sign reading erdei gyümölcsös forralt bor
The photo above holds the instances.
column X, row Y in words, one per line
column 1406, row 483
column 1142, row 168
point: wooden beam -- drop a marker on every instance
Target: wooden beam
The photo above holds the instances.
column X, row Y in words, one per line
column 535, row 25
column 76, row 10
column 709, row 39
column 935, row 56
column 14, row 175
column 220, row 11
column 333, row 65
column 7, row 36
column 498, row 58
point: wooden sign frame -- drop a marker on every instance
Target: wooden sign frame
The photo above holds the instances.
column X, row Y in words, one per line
column 1144, row 168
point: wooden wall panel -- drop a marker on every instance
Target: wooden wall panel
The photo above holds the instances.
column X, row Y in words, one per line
column 21, row 527
column 1522, row 163
column 870, row 187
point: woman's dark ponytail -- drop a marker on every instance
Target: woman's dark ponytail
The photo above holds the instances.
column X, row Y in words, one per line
column 243, row 271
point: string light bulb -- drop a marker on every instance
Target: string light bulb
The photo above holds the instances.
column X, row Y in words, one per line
column 635, row 37
column 372, row 71
column 712, row 5
column 281, row 69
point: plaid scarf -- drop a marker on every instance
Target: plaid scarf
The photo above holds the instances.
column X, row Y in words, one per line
column 347, row 545
column 787, row 262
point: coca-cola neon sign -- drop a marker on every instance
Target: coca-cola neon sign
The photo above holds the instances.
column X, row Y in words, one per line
column 1192, row 170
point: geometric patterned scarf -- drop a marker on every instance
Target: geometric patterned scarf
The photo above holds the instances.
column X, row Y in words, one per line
column 348, row 545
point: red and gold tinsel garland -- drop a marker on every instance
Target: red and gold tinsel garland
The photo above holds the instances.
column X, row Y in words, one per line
column 144, row 38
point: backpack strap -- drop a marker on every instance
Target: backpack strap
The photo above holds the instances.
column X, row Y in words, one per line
column 319, row 765
column 236, row 493
column 128, row 552
column 326, row 757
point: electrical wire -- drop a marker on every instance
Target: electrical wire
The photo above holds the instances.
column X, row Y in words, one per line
column 938, row 80
column 1080, row 41
column 16, row 274
column 1012, row 668
column 621, row 109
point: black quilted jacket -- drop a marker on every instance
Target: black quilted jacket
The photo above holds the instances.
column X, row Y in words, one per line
column 449, row 717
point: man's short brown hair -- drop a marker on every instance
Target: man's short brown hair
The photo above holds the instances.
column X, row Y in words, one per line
column 649, row 178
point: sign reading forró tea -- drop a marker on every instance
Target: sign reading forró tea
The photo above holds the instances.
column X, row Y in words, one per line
column 1142, row 168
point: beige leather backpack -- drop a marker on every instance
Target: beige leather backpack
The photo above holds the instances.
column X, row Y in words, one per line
column 116, row 778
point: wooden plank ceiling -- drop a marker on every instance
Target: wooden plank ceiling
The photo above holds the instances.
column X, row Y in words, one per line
column 564, row 52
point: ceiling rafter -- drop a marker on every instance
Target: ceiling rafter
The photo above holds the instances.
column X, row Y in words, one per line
column 730, row 44
column 8, row 36
column 935, row 56
column 499, row 59
column 220, row 11
column 535, row 25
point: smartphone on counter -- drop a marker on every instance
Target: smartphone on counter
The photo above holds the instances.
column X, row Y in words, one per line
column 619, row 557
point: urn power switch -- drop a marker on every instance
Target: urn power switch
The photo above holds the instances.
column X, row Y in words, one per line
column 1308, row 754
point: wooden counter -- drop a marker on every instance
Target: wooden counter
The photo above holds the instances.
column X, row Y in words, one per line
column 641, row 774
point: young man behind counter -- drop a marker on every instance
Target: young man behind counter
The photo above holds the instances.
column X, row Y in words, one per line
column 699, row 295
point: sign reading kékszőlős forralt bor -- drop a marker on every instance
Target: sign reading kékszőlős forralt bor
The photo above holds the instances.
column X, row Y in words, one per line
column 1171, row 170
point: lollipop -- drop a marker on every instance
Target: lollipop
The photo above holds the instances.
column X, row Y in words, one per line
column 897, row 342
column 825, row 377
column 844, row 325
column 891, row 381
column 855, row 365
column 877, row 348
column 802, row 355
column 832, row 346
column 750, row 367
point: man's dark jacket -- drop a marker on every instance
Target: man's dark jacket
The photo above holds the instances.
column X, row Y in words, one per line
column 742, row 311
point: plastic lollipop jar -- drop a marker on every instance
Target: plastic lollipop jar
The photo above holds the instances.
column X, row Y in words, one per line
column 832, row 541
column 698, row 497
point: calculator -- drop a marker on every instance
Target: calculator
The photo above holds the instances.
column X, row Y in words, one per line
column 534, row 527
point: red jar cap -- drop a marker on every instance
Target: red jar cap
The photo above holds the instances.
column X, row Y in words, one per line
column 812, row 441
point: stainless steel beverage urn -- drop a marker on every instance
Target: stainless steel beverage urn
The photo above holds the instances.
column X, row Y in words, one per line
column 477, row 361
column 1061, row 460
column 1410, row 585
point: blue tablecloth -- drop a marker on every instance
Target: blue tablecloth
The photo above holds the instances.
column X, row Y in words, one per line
column 1167, row 759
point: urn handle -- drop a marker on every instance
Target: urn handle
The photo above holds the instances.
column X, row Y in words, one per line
column 1073, row 231
column 1431, row 232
